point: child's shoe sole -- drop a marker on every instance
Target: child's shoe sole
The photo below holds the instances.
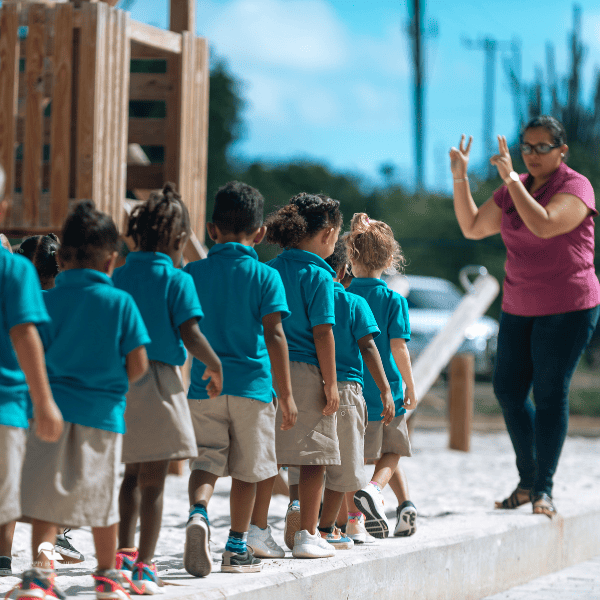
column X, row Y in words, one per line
column 118, row 595
column 146, row 588
column 197, row 560
column 241, row 568
column 375, row 524
column 407, row 522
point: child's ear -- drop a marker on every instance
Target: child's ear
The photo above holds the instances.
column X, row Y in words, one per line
column 3, row 209
column 212, row 231
column 342, row 273
column 260, row 234
column 109, row 263
column 180, row 241
column 326, row 233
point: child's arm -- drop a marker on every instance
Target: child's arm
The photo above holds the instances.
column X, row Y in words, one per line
column 372, row 359
column 325, row 347
column 280, row 365
column 136, row 363
column 198, row 347
column 402, row 358
column 30, row 353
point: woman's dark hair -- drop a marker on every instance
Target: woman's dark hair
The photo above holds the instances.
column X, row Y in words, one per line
column 303, row 217
column 160, row 219
column 41, row 250
column 553, row 126
column 339, row 258
column 87, row 234
column 238, row 208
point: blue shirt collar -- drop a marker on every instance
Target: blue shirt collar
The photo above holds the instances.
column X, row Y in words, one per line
column 368, row 282
column 306, row 257
column 81, row 278
column 150, row 257
column 338, row 287
column 233, row 250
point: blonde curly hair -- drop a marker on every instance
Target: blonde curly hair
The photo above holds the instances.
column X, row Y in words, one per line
column 372, row 244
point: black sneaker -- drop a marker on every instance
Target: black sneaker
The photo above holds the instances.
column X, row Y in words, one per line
column 5, row 566
column 71, row 555
column 240, row 563
column 38, row 583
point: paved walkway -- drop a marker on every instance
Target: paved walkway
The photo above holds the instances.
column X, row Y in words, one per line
column 580, row 582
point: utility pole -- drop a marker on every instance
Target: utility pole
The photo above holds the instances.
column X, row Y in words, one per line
column 415, row 30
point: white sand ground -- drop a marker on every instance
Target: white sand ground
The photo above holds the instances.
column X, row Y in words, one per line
column 449, row 488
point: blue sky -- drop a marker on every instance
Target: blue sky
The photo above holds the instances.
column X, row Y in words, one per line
column 332, row 79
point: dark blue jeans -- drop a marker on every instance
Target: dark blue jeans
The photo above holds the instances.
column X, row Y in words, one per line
column 539, row 352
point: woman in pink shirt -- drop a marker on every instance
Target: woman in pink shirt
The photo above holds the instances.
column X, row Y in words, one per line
column 550, row 297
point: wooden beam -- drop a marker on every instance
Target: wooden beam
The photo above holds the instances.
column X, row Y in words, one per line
column 150, row 86
column 125, row 61
column 183, row 16
column 160, row 39
column 201, row 137
column 147, row 132
column 149, row 177
column 461, row 394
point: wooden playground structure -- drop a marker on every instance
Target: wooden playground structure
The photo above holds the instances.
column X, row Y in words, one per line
column 66, row 128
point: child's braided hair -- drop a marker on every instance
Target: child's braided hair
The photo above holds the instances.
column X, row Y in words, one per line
column 41, row 250
column 160, row 219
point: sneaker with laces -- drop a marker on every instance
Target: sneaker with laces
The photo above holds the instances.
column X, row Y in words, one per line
column 406, row 519
column 356, row 531
column 110, row 584
column 262, row 543
column 337, row 539
column 311, row 546
column 70, row 554
column 370, row 502
column 38, row 583
column 5, row 566
column 240, row 563
column 292, row 523
column 197, row 560
column 145, row 581
column 125, row 559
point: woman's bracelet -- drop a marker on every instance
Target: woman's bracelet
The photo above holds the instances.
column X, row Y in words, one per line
column 459, row 180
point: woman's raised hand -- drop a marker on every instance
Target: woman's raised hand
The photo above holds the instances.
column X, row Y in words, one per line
column 459, row 159
column 502, row 160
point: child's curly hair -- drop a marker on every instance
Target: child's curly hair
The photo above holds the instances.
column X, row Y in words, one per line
column 42, row 251
column 372, row 244
column 303, row 217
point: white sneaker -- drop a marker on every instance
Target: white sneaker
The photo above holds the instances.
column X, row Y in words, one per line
column 197, row 559
column 311, row 546
column 262, row 543
column 356, row 531
column 292, row 523
column 369, row 501
column 406, row 519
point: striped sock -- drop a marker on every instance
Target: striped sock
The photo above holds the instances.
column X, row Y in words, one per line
column 199, row 509
column 357, row 515
column 236, row 542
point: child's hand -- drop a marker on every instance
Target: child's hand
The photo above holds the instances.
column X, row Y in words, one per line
column 389, row 408
column 333, row 400
column 48, row 422
column 289, row 411
column 410, row 398
column 215, row 385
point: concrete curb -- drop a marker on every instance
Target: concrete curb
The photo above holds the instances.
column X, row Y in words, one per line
column 492, row 553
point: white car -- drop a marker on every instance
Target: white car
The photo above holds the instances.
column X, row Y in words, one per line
column 431, row 301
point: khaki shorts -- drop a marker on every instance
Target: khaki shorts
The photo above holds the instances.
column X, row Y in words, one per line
column 235, row 437
column 12, row 451
column 75, row 481
column 159, row 425
column 392, row 439
column 313, row 439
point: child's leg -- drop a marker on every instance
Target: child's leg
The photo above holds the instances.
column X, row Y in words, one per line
column 384, row 469
column 43, row 532
column 399, row 485
column 260, row 513
column 7, row 532
column 129, row 506
column 201, row 487
column 105, row 540
column 406, row 513
column 332, row 503
column 342, row 517
column 310, row 492
column 241, row 504
column 294, row 492
column 151, row 481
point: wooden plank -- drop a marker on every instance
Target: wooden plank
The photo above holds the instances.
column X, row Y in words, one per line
column 186, row 110
column 461, row 400
column 123, row 131
column 9, row 70
column 45, row 172
column 147, row 132
column 194, row 124
column 61, row 114
column 182, row 15
column 149, row 177
column 147, row 52
column 150, row 86
column 202, row 134
column 173, row 119
column 102, row 100
column 33, row 146
column 160, row 39
column 86, row 96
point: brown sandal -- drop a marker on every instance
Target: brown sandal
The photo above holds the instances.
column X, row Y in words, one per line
column 543, row 505
column 519, row 497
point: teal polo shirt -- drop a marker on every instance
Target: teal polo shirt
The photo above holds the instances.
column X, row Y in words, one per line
column 236, row 291
column 353, row 321
column 93, row 327
column 308, row 283
column 391, row 313
column 20, row 302
column 166, row 297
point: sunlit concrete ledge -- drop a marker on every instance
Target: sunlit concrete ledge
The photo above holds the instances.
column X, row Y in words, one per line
column 456, row 557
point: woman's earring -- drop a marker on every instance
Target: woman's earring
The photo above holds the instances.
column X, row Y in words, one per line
column 562, row 154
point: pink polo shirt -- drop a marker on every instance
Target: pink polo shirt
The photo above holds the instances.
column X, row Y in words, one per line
column 548, row 277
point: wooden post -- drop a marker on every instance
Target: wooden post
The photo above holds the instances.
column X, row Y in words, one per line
column 460, row 400
column 183, row 16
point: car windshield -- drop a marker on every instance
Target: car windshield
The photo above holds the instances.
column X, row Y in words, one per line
column 446, row 299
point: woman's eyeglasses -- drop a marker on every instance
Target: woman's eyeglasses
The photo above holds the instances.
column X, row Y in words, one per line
column 539, row 148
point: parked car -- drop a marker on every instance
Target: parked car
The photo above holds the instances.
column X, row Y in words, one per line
column 431, row 301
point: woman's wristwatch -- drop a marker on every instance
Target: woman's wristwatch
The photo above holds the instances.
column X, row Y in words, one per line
column 512, row 176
